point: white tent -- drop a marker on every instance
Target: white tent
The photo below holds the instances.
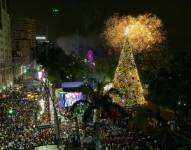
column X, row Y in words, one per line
column 47, row 147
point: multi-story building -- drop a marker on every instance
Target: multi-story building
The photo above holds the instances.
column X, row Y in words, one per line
column 42, row 47
column 6, row 74
column 24, row 43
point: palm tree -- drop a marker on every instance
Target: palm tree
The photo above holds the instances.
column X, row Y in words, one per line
column 98, row 102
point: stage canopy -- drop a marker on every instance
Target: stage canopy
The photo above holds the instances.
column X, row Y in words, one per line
column 71, row 86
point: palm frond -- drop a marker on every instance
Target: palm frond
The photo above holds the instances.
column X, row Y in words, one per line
column 115, row 107
column 97, row 99
column 113, row 91
column 105, row 100
column 88, row 91
column 87, row 114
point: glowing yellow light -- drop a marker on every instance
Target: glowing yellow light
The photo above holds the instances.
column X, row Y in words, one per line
column 132, row 35
column 143, row 32
column 126, row 31
column 29, row 95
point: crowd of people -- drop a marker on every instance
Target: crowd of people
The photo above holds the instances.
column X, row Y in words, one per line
column 18, row 122
column 19, row 128
column 114, row 135
column 131, row 141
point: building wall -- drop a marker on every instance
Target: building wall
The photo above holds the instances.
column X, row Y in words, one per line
column 6, row 74
column 25, row 28
column 24, row 43
column 42, row 46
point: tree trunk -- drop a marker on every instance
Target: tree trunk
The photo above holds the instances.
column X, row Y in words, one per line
column 97, row 128
column 98, row 142
column 77, row 130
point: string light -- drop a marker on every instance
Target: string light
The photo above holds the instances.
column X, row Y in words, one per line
column 132, row 35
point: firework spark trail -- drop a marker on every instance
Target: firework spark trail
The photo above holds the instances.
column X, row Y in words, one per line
column 144, row 32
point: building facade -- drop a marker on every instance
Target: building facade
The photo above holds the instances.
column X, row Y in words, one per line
column 42, row 47
column 6, row 73
column 24, row 44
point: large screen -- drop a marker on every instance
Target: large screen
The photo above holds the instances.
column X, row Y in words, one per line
column 67, row 99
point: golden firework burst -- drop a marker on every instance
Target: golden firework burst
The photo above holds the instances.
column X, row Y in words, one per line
column 142, row 32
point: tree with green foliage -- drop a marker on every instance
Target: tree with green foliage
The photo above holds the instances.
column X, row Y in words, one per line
column 105, row 67
column 99, row 102
column 62, row 67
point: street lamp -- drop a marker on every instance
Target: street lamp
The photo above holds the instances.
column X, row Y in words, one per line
column 41, row 102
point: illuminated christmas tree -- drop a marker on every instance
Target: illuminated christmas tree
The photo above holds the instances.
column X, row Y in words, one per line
column 136, row 35
column 127, row 79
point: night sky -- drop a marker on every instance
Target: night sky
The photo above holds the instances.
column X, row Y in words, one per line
column 88, row 16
